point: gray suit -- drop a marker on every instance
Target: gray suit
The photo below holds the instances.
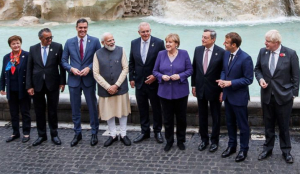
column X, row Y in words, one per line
column 277, row 98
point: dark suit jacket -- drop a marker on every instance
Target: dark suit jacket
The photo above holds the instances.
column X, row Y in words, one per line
column 5, row 75
column 240, row 73
column 138, row 71
column 285, row 81
column 71, row 50
column 206, row 83
column 54, row 73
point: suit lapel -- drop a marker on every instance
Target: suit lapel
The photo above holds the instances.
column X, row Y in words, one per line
column 50, row 54
column 280, row 59
column 139, row 50
column 75, row 42
column 39, row 55
column 234, row 59
column 266, row 59
column 201, row 59
column 22, row 56
column 150, row 49
column 88, row 45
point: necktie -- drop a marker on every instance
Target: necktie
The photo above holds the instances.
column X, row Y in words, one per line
column 272, row 64
column 205, row 63
column 230, row 60
column 144, row 52
column 45, row 56
column 81, row 49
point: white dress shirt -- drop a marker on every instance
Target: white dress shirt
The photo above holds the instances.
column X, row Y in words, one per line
column 83, row 43
column 211, row 49
column 147, row 46
column 276, row 56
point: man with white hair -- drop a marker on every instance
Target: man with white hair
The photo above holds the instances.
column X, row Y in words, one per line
column 110, row 68
column 277, row 72
column 143, row 54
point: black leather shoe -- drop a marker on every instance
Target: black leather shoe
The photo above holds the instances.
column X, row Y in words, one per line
column 141, row 137
column 25, row 139
column 159, row 138
column 168, row 147
column 241, row 156
column 228, row 152
column 56, row 140
column 12, row 138
column 125, row 140
column 288, row 157
column 110, row 141
column 94, row 140
column 213, row 147
column 202, row 146
column 264, row 155
column 39, row 141
column 76, row 140
column 181, row 146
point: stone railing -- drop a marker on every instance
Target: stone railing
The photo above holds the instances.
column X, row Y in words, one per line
column 65, row 115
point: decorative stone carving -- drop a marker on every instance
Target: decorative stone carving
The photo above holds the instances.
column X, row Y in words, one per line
column 28, row 20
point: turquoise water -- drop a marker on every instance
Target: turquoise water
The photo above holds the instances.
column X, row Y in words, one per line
column 126, row 30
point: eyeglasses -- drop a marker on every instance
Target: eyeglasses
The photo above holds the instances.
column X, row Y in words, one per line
column 50, row 37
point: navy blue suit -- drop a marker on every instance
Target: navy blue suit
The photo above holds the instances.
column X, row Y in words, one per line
column 236, row 97
column 77, row 84
column 138, row 72
column 17, row 97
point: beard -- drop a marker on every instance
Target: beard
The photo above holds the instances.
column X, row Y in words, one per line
column 109, row 47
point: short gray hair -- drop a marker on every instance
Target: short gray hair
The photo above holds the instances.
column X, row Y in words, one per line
column 104, row 36
column 143, row 24
column 47, row 30
column 273, row 35
column 213, row 34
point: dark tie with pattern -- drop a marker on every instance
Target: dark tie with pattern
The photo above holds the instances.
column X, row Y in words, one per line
column 230, row 60
column 81, row 49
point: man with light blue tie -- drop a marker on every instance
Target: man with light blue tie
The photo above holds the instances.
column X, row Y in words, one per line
column 45, row 77
column 80, row 50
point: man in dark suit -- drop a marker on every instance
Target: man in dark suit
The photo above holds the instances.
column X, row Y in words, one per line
column 142, row 58
column 236, row 76
column 207, row 66
column 81, row 49
column 277, row 72
column 45, row 76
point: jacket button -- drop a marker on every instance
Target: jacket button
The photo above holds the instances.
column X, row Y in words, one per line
column 23, row 82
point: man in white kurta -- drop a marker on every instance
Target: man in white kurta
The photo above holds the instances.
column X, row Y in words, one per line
column 110, row 68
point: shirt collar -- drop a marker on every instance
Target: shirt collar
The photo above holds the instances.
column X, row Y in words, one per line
column 278, row 50
column 211, row 48
column 234, row 53
column 44, row 46
column 84, row 39
column 148, row 41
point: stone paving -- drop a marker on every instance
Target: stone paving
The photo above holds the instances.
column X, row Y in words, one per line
column 146, row 157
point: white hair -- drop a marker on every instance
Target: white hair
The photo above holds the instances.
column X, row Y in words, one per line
column 143, row 24
column 273, row 36
column 104, row 36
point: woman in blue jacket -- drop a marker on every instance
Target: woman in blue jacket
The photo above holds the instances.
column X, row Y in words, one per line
column 12, row 84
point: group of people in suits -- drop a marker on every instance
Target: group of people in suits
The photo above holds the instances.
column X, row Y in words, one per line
column 159, row 73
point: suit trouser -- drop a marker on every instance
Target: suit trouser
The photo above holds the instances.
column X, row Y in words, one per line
column 215, row 110
column 282, row 113
column 143, row 95
column 178, row 108
column 39, row 102
column 91, row 101
column 237, row 115
column 15, row 105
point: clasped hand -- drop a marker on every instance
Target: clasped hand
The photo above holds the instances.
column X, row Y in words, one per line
column 83, row 72
column 223, row 83
column 112, row 89
column 172, row 77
